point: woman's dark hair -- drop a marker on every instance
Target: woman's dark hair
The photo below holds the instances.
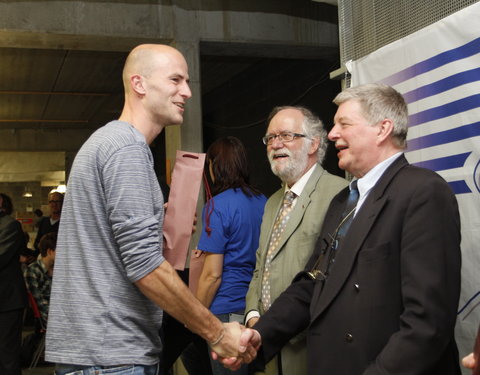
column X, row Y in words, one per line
column 229, row 165
column 7, row 205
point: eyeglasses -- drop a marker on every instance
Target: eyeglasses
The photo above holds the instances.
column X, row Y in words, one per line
column 282, row 137
column 55, row 201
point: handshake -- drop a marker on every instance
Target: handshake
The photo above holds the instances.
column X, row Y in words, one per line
column 237, row 345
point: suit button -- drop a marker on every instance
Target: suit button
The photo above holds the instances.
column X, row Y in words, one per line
column 357, row 287
column 349, row 337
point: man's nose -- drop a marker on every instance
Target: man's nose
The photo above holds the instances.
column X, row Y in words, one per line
column 186, row 92
column 333, row 134
column 276, row 143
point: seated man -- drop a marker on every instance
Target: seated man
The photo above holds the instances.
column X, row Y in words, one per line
column 39, row 274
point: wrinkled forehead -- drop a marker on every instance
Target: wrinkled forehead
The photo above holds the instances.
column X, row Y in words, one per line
column 350, row 110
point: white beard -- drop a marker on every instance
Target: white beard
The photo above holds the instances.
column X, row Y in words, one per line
column 294, row 167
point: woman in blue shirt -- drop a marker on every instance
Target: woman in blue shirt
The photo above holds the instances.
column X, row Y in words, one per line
column 231, row 229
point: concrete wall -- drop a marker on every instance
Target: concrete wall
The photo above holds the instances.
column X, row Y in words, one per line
column 270, row 25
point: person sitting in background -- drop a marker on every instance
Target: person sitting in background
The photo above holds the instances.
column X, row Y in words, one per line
column 51, row 223
column 231, row 228
column 39, row 274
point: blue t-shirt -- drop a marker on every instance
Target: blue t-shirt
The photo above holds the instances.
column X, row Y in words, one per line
column 235, row 230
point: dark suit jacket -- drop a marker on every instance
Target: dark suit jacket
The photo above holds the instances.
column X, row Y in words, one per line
column 389, row 304
column 44, row 227
column 13, row 293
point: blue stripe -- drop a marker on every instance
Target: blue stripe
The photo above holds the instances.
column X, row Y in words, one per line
column 447, row 136
column 447, row 162
column 459, row 187
column 443, row 85
column 468, row 49
column 468, row 302
column 445, row 110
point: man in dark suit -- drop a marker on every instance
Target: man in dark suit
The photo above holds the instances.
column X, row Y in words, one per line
column 49, row 224
column 387, row 301
column 13, row 294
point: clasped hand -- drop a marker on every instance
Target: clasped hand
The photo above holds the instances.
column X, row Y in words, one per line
column 239, row 345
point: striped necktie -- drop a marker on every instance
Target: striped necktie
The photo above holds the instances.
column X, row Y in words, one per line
column 278, row 228
column 349, row 211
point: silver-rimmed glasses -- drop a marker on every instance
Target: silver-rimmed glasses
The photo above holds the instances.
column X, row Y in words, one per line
column 282, row 137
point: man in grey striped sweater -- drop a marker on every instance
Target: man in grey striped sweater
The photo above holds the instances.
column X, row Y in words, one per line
column 111, row 280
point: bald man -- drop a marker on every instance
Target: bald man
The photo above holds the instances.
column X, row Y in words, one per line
column 111, row 281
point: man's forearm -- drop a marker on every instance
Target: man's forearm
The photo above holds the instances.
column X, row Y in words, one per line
column 164, row 287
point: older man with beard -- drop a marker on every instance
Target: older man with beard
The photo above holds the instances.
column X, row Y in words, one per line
column 296, row 144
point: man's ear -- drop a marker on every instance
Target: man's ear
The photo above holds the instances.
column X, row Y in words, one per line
column 137, row 83
column 314, row 145
column 385, row 130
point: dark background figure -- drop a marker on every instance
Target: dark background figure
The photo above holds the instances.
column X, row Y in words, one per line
column 39, row 274
column 27, row 255
column 39, row 215
column 49, row 224
column 13, row 295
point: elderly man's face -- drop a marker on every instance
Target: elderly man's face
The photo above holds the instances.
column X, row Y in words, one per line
column 289, row 160
column 355, row 139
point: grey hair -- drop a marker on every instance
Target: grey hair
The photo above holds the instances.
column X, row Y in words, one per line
column 380, row 102
column 312, row 127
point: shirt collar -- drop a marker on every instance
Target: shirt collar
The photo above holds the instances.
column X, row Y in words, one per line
column 298, row 186
column 41, row 264
column 367, row 182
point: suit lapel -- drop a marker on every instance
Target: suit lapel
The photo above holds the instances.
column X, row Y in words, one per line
column 271, row 218
column 303, row 201
column 352, row 243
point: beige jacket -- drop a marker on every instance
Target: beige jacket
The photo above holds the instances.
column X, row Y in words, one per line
column 296, row 246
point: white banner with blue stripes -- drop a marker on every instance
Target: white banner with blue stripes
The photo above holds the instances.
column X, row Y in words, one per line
column 437, row 69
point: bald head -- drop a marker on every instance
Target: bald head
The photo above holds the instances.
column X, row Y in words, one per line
column 145, row 59
column 157, row 88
